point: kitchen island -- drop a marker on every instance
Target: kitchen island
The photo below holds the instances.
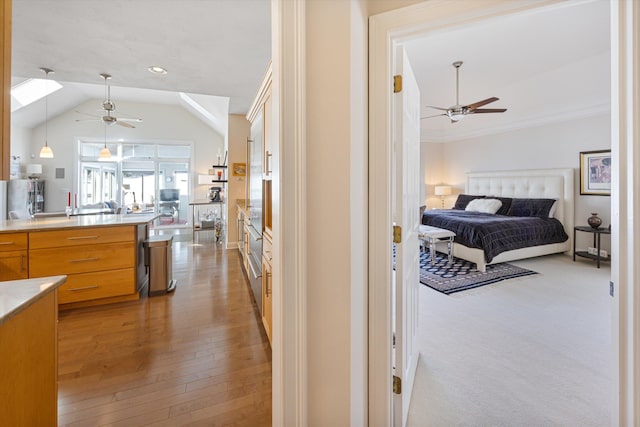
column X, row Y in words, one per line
column 28, row 351
column 102, row 255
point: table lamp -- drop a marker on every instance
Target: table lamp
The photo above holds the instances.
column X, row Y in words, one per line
column 442, row 191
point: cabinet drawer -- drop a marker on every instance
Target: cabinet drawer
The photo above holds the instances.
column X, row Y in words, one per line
column 90, row 286
column 13, row 242
column 80, row 236
column 81, row 259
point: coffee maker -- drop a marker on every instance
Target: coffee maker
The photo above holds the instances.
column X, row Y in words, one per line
column 214, row 194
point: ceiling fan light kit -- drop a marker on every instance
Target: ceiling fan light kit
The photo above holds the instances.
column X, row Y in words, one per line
column 45, row 151
column 457, row 112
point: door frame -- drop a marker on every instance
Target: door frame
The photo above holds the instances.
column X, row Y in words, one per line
column 395, row 26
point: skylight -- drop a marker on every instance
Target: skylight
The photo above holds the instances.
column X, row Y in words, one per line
column 30, row 91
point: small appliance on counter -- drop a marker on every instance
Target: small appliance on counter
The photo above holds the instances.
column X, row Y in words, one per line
column 214, row 194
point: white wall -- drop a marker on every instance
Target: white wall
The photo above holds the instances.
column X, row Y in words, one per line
column 20, row 139
column 336, row 208
column 552, row 146
column 239, row 131
column 160, row 123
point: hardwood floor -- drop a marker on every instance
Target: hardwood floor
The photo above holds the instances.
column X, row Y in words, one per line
column 198, row 356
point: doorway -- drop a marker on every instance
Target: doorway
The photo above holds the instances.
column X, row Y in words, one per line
column 415, row 20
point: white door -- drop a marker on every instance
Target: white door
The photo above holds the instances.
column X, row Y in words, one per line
column 406, row 133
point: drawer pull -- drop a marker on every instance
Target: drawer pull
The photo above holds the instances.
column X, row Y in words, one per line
column 83, row 259
column 84, row 288
column 6, row 243
column 82, row 237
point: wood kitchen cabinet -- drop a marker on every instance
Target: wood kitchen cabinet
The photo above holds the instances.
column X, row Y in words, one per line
column 100, row 263
column 14, row 262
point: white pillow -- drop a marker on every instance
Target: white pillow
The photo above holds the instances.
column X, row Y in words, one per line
column 552, row 211
column 489, row 206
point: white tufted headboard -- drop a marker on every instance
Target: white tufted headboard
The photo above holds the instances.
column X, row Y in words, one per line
column 532, row 183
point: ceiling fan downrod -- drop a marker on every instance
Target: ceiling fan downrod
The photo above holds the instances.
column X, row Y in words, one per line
column 457, row 64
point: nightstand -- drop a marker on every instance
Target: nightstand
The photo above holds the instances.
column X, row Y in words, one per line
column 597, row 232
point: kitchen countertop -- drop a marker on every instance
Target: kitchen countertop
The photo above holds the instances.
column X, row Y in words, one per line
column 53, row 223
column 17, row 295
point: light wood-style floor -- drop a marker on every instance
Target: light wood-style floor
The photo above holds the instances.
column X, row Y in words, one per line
column 198, row 356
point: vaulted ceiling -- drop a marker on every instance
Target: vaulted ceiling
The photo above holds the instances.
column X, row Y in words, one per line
column 546, row 66
column 212, row 47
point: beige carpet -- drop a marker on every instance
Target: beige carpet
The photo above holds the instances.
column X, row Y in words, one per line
column 531, row 351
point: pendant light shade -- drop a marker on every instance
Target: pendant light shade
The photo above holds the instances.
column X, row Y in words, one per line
column 46, row 152
column 105, row 153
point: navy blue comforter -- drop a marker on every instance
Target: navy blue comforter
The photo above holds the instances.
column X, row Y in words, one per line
column 496, row 233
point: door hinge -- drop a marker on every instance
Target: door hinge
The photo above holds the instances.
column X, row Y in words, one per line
column 611, row 288
column 397, row 83
column 397, row 234
column 397, row 385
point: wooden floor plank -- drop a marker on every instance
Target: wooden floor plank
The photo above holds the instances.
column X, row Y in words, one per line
column 197, row 356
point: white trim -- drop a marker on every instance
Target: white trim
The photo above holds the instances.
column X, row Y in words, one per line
column 289, row 360
column 625, row 215
column 256, row 107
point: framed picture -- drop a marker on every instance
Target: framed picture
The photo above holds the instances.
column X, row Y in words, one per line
column 595, row 173
column 239, row 169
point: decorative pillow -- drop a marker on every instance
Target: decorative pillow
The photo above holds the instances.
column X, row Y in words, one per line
column 552, row 211
column 531, row 207
column 489, row 206
column 506, row 204
column 463, row 200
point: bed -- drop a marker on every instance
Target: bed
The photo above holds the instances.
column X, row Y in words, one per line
column 524, row 184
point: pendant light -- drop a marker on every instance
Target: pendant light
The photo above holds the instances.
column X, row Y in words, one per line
column 45, row 152
column 105, row 153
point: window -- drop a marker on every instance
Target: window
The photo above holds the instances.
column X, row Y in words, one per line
column 135, row 177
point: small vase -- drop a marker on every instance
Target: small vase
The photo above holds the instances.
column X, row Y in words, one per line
column 594, row 220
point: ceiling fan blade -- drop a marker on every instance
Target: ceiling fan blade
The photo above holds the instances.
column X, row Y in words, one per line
column 437, row 115
column 127, row 125
column 87, row 114
column 129, row 119
column 437, row 108
column 488, row 110
column 481, row 103
column 88, row 120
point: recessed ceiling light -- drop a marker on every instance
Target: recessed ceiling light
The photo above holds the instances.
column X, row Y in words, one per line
column 156, row 69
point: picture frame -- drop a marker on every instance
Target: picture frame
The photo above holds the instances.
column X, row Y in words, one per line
column 595, row 173
column 239, row 169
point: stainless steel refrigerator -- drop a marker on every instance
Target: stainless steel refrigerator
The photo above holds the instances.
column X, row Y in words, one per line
column 25, row 197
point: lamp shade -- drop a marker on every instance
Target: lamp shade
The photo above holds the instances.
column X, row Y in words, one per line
column 34, row 169
column 442, row 190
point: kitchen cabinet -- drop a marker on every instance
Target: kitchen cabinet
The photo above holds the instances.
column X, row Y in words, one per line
column 29, row 352
column 13, row 256
column 100, row 262
column 267, row 286
column 268, row 135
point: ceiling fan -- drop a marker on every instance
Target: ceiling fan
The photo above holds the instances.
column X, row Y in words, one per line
column 109, row 107
column 457, row 112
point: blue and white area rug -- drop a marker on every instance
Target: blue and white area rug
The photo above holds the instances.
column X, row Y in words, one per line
column 462, row 275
